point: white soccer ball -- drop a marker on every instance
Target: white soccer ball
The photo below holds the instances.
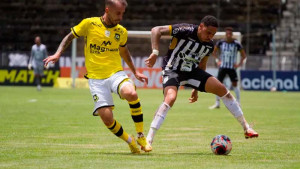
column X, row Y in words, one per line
column 221, row 145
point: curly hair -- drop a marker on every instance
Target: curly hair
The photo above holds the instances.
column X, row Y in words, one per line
column 210, row 21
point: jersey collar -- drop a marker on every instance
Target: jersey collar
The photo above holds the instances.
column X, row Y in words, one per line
column 107, row 26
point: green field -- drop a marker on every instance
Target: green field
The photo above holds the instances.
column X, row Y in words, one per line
column 54, row 128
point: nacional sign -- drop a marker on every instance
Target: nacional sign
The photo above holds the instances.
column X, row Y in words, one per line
column 263, row 80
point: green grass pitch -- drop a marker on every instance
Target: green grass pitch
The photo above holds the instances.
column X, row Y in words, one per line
column 54, row 128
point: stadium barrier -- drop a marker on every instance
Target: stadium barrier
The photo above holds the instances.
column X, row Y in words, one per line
column 21, row 76
column 263, row 80
column 154, row 77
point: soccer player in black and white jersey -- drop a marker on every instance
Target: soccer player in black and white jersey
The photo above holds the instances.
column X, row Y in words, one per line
column 228, row 49
column 185, row 65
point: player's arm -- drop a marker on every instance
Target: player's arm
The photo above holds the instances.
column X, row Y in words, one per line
column 30, row 60
column 243, row 57
column 125, row 54
column 203, row 62
column 215, row 55
column 202, row 65
column 45, row 56
column 156, row 34
column 62, row 47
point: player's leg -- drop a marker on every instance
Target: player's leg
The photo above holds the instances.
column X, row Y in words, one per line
column 221, row 76
column 103, row 105
column 128, row 92
column 170, row 94
column 234, row 80
column 216, row 87
column 39, row 73
column 123, row 86
column 38, row 82
column 116, row 128
column 170, row 89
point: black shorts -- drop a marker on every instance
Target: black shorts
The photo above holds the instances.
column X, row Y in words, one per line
column 195, row 79
column 230, row 72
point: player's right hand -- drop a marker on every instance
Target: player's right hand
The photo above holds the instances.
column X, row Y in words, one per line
column 29, row 66
column 54, row 58
column 151, row 60
column 194, row 96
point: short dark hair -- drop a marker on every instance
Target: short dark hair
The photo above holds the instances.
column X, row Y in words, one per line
column 229, row 29
column 112, row 2
column 210, row 21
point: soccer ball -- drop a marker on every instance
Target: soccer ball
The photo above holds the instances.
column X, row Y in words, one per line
column 221, row 145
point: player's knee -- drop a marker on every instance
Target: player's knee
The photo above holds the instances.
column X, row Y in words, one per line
column 222, row 90
column 170, row 99
column 108, row 122
column 130, row 95
column 105, row 114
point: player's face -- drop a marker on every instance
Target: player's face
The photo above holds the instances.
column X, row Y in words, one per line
column 228, row 35
column 206, row 33
column 37, row 40
column 115, row 13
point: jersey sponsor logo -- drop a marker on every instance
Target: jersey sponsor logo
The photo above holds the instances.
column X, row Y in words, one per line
column 105, row 43
column 94, row 48
column 175, row 31
column 182, row 28
column 117, row 36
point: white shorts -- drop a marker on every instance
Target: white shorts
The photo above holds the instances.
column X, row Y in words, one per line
column 102, row 89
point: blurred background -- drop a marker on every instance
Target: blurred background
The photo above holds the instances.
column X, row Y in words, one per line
column 270, row 32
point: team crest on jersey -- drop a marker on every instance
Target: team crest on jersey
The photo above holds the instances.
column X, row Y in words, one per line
column 107, row 33
column 95, row 97
column 117, row 37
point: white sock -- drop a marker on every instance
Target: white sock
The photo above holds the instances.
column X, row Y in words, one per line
column 157, row 121
column 217, row 100
column 151, row 135
column 233, row 106
column 129, row 140
column 237, row 93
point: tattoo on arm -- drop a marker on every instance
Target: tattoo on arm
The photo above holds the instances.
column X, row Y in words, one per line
column 65, row 43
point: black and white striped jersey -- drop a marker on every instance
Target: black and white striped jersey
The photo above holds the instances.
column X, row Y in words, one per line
column 185, row 50
column 228, row 53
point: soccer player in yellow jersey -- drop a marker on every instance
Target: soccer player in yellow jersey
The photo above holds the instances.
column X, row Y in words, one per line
column 105, row 44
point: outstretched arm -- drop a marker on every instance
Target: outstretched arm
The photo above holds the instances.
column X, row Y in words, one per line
column 125, row 54
column 156, row 33
column 62, row 47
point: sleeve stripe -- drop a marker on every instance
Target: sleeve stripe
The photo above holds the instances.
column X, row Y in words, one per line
column 170, row 29
column 74, row 33
column 123, row 45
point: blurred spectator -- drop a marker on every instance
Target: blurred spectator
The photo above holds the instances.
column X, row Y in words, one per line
column 38, row 54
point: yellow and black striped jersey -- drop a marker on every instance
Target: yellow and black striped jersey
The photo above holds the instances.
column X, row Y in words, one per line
column 102, row 58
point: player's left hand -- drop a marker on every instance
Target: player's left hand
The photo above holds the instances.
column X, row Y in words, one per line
column 141, row 77
column 194, row 96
